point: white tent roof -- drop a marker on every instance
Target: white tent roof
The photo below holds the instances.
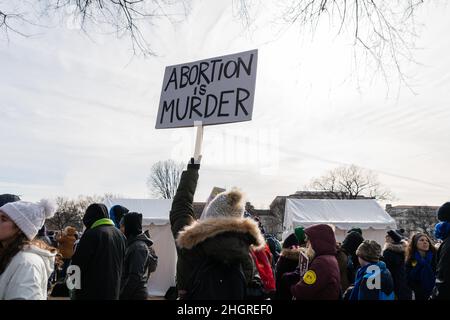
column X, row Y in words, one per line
column 343, row 214
column 154, row 211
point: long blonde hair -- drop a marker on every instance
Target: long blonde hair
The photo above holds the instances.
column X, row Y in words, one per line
column 310, row 253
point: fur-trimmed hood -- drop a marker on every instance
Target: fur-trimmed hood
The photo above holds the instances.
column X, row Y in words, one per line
column 200, row 230
column 291, row 254
column 396, row 247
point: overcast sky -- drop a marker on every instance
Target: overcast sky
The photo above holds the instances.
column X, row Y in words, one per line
column 78, row 113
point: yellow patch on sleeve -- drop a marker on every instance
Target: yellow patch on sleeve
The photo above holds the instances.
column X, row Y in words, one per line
column 310, row 277
column 414, row 263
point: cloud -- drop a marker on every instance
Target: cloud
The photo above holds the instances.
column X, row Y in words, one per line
column 78, row 115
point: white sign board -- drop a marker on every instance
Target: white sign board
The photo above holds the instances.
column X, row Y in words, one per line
column 213, row 91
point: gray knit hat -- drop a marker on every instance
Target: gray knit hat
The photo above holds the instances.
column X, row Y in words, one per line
column 226, row 205
column 369, row 250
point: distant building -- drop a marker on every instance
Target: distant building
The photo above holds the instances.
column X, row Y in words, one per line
column 414, row 218
column 410, row 218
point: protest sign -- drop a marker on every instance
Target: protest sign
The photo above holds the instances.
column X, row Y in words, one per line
column 211, row 91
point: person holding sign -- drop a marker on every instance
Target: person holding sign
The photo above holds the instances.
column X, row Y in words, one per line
column 214, row 259
column 319, row 270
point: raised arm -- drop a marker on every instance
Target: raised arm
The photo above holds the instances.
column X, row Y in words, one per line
column 182, row 211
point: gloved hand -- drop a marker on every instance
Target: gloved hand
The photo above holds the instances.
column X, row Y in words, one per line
column 194, row 164
column 291, row 278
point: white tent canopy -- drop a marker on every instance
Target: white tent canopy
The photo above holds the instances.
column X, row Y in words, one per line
column 343, row 214
column 155, row 214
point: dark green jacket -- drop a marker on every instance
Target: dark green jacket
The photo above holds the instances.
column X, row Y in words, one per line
column 225, row 239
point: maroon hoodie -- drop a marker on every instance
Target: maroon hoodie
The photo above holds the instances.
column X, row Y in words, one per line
column 322, row 280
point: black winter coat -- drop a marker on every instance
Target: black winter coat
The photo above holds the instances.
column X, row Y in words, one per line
column 442, row 288
column 287, row 262
column 100, row 254
column 135, row 267
column 394, row 257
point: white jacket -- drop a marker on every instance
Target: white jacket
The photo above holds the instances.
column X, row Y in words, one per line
column 26, row 276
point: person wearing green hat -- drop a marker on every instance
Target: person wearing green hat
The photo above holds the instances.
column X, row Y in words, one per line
column 300, row 235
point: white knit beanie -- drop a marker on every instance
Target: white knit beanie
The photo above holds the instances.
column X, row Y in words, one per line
column 226, row 205
column 29, row 217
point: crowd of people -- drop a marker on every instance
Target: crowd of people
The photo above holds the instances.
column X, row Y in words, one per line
column 113, row 255
column 226, row 254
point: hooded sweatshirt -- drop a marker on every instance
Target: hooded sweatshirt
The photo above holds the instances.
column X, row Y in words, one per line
column 137, row 259
column 135, row 268
column 322, row 280
column 27, row 275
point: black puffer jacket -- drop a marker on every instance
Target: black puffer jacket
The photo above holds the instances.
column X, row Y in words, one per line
column 135, row 275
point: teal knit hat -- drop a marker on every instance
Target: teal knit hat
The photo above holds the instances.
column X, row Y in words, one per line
column 300, row 234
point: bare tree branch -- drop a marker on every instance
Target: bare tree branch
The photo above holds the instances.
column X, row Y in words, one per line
column 130, row 18
column 70, row 212
column 383, row 30
column 164, row 178
column 351, row 182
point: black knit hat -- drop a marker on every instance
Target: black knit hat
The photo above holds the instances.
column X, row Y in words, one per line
column 443, row 213
column 94, row 212
column 132, row 221
column 290, row 241
column 352, row 241
column 395, row 236
column 6, row 198
column 355, row 229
